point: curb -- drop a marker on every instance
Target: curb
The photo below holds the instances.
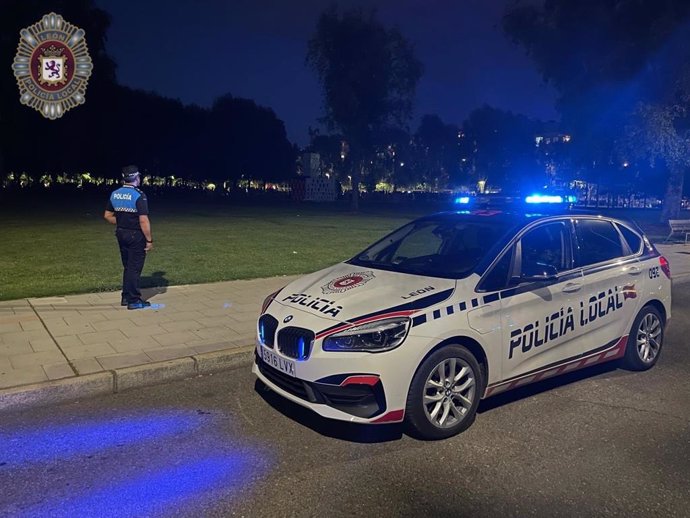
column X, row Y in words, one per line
column 119, row 380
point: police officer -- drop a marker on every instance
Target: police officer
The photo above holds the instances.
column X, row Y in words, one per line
column 128, row 209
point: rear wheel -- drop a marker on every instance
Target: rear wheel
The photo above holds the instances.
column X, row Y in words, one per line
column 444, row 393
column 645, row 340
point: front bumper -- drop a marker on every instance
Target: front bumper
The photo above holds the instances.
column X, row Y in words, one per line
column 345, row 397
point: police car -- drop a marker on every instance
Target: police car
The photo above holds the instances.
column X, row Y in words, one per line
column 459, row 306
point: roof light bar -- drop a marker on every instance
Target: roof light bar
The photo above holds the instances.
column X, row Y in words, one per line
column 544, row 198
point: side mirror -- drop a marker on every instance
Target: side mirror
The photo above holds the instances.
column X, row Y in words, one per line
column 537, row 272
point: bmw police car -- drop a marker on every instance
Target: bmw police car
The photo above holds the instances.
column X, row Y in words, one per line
column 458, row 306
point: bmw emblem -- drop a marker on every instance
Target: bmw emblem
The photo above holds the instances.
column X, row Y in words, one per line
column 287, row 319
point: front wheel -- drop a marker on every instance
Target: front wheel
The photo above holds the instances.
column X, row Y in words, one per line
column 444, row 393
column 645, row 340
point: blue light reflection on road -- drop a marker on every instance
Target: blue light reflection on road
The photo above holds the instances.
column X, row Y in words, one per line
column 146, row 473
column 160, row 492
column 63, row 441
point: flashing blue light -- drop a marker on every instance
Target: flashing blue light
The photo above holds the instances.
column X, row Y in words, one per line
column 300, row 349
column 262, row 333
column 544, row 198
column 571, row 199
column 462, row 200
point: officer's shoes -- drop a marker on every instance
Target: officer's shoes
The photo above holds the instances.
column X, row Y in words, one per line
column 139, row 304
column 123, row 301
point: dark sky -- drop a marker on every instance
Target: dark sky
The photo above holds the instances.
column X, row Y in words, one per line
column 199, row 50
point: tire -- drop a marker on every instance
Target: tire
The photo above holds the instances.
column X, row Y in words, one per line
column 450, row 406
column 645, row 340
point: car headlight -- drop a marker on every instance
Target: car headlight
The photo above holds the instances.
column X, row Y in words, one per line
column 382, row 335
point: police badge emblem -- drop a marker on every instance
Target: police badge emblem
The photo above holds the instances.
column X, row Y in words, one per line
column 347, row 282
column 52, row 66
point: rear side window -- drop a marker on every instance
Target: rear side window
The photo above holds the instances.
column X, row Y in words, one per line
column 632, row 238
column 598, row 241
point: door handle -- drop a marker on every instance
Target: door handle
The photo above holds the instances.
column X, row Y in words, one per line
column 634, row 270
column 572, row 287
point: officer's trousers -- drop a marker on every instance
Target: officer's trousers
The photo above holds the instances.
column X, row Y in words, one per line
column 132, row 244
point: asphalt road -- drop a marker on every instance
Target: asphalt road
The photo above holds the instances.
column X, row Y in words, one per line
column 600, row 442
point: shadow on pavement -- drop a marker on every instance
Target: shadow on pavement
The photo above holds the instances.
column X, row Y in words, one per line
column 384, row 433
column 527, row 391
column 154, row 284
column 329, row 427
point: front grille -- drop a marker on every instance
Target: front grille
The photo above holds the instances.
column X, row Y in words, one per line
column 289, row 384
column 267, row 330
column 295, row 342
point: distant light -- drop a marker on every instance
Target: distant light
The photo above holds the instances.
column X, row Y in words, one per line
column 462, row 200
column 402, row 164
column 626, row 164
column 544, row 198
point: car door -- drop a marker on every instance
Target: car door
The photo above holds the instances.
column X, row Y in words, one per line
column 612, row 280
column 538, row 318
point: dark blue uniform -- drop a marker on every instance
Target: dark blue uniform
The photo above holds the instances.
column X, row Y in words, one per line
column 128, row 203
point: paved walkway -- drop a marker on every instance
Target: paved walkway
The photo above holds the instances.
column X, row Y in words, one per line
column 55, row 338
column 58, row 337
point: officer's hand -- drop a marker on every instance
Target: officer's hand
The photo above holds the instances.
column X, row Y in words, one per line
column 148, row 247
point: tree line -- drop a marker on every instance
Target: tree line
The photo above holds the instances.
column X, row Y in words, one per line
column 621, row 68
column 119, row 125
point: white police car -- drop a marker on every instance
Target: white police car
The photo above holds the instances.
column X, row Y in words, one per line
column 458, row 306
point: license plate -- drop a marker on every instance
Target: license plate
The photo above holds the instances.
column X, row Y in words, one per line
column 277, row 362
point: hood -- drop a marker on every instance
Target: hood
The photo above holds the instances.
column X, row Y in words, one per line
column 345, row 292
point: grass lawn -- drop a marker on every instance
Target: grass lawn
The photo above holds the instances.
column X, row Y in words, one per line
column 73, row 250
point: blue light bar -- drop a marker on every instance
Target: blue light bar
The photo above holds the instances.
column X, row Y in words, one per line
column 462, row 200
column 544, row 198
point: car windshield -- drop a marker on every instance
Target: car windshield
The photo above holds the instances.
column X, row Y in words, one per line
column 440, row 247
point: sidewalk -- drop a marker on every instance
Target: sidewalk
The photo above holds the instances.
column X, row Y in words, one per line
column 82, row 336
column 60, row 348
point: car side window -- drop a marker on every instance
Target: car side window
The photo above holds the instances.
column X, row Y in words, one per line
column 545, row 245
column 598, row 241
column 499, row 276
column 632, row 238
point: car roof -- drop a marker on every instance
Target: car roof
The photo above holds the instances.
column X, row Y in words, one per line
column 517, row 218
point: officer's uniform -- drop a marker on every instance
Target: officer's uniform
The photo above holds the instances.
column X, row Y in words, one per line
column 128, row 203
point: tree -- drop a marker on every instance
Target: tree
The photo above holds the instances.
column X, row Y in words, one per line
column 21, row 127
column 368, row 74
column 119, row 125
column 438, row 151
column 605, row 57
column 243, row 138
column 502, row 146
column 660, row 133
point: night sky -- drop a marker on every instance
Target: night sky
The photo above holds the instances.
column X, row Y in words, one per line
column 199, row 50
